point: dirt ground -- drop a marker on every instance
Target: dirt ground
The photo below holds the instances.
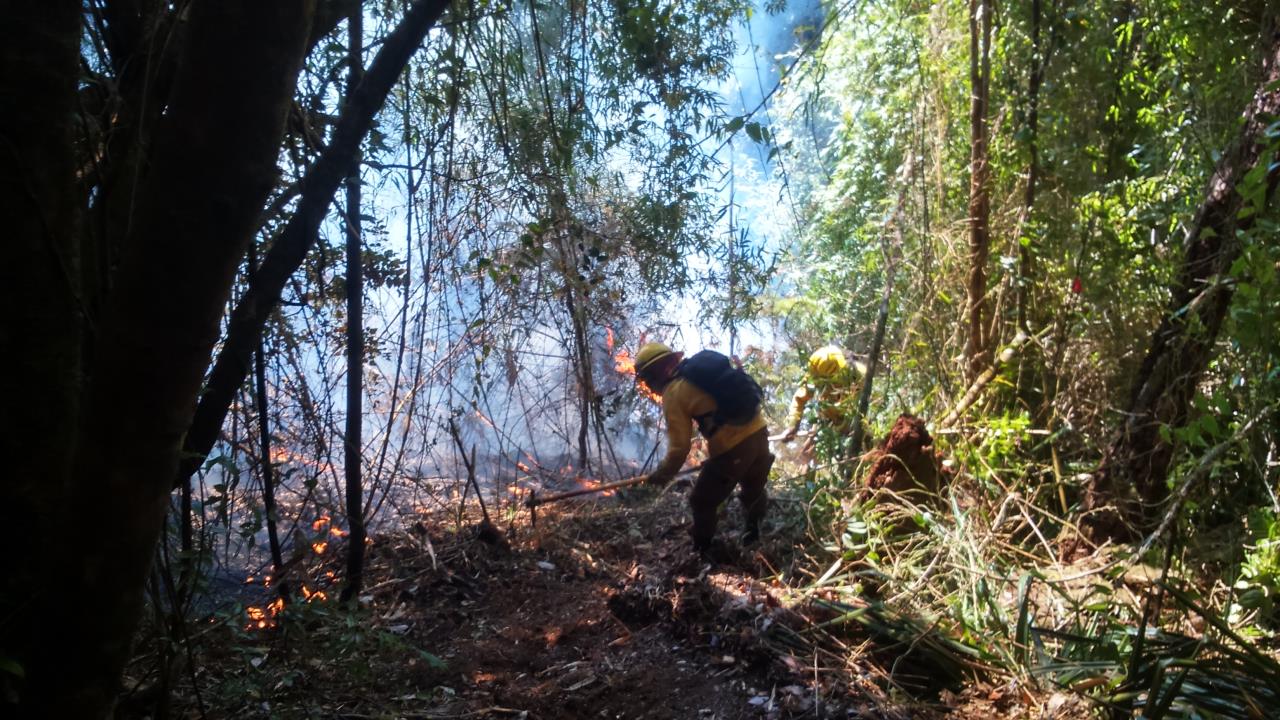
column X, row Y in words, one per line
column 600, row 612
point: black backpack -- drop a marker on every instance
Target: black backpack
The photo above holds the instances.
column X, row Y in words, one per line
column 736, row 394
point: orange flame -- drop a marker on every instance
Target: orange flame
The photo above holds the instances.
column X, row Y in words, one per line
column 523, row 467
column 320, row 522
column 589, row 484
column 280, row 456
column 486, row 420
column 625, row 364
column 320, row 547
column 264, row 617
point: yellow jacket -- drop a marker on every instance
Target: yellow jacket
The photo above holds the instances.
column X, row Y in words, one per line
column 836, row 397
column 682, row 401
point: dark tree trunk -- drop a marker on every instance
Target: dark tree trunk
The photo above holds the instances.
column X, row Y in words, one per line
column 352, row 444
column 40, row 339
column 1138, row 457
column 117, row 424
column 977, row 353
column 299, row 234
column 263, row 403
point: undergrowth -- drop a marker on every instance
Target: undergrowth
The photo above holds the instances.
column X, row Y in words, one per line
column 1154, row 632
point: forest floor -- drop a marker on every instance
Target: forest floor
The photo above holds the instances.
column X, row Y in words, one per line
column 602, row 611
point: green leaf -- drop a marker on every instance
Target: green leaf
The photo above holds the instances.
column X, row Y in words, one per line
column 432, row 660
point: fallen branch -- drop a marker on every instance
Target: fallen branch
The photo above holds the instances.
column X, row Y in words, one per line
column 980, row 383
column 1206, row 465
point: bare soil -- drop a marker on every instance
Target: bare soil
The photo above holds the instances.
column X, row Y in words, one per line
column 603, row 611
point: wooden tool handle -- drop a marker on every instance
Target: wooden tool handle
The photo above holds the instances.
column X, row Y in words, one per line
column 536, row 501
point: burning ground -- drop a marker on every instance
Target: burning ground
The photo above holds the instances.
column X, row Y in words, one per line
column 599, row 612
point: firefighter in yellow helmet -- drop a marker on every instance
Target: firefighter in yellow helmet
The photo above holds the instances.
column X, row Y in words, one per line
column 738, row 454
column 833, row 379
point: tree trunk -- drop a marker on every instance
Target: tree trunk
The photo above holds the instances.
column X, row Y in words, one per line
column 1025, row 259
column 264, row 444
column 118, row 427
column 299, row 234
column 352, row 460
column 977, row 354
column 40, row 339
column 1138, row 456
column 892, row 252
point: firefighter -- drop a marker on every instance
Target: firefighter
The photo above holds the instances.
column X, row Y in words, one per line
column 833, row 379
column 737, row 450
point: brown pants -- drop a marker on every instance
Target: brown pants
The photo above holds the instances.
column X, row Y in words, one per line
column 746, row 464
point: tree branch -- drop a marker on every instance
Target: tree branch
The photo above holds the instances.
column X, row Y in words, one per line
column 299, row 235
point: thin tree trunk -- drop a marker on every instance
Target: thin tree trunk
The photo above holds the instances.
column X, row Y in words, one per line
column 977, row 354
column 1139, row 455
column 1025, row 259
column 891, row 255
column 299, row 234
column 264, row 444
column 352, row 460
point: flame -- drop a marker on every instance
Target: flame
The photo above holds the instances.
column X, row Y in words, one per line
column 264, row 617
column 590, row 484
column 320, row 522
column 320, row 547
column 625, row 364
column 337, row 532
column 486, row 420
column 280, row 456
column 608, row 340
column 523, row 467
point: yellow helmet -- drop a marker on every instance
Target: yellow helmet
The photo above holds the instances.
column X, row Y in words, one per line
column 827, row 362
column 650, row 352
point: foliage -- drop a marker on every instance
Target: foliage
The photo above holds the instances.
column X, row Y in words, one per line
column 1134, row 104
